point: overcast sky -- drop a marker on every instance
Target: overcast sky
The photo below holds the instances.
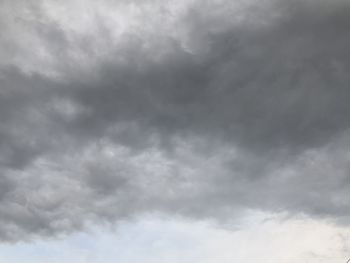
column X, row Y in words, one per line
column 174, row 131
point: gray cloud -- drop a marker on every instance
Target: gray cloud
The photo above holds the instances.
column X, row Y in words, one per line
column 219, row 109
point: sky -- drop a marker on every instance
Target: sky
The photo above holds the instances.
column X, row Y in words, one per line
column 174, row 131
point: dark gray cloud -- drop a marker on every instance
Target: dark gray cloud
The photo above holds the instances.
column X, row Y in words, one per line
column 220, row 108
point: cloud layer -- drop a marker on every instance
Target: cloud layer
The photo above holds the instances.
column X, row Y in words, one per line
column 201, row 108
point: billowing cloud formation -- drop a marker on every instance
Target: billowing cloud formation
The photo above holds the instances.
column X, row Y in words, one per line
column 200, row 108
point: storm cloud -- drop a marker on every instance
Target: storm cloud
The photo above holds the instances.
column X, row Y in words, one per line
column 203, row 109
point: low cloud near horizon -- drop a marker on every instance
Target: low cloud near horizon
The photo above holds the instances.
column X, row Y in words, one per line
column 207, row 110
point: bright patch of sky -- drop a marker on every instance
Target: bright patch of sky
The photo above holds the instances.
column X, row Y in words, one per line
column 164, row 240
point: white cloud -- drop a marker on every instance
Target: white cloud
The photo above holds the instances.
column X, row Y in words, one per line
column 260, row 238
